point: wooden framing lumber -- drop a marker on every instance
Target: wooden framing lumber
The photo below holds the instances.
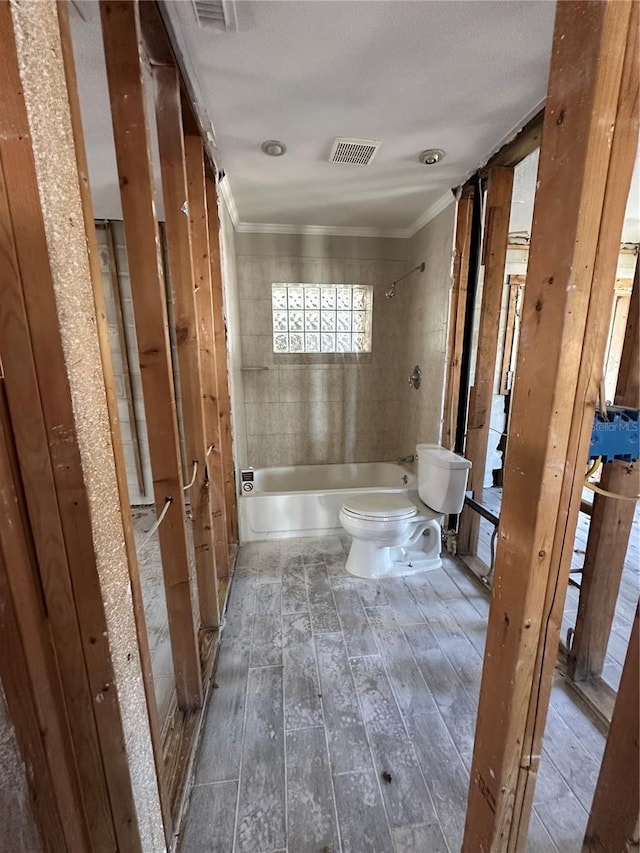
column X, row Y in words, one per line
column 43, row 422
column 181, row 276
column 222, row 377
column 457, row 313
column 584, row 180
column 121, row 35
column 615, row 813
column 610, row 528
column 498, row 211
column 112, row 401
column 29, row 671
column 194, row 154
column 524, row 143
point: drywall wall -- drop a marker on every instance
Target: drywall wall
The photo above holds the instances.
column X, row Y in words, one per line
column 423, row 304
column 18, row 829
column 316, row 409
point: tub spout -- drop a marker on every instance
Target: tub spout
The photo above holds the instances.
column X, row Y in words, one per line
column 405, row 460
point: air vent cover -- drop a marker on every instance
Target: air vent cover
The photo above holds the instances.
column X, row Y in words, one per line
column 358, row 151
column 218, row 15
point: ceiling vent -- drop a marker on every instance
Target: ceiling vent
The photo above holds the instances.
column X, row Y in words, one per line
column 358, row 151
column 217, row 15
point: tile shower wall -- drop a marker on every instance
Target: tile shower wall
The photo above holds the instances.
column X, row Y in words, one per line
column 423, row 301
column 298, row 411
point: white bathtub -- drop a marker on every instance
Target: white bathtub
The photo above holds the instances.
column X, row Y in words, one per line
column 304, row 500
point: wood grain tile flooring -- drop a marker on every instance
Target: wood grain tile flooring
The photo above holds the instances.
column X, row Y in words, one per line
column 343, row 715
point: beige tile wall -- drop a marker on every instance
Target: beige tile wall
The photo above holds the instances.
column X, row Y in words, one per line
column 318, row 413
column 424, row 299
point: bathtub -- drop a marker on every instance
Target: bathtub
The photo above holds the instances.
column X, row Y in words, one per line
column 304, row 500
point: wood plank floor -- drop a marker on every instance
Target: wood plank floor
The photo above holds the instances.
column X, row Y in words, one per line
column 629, row 586
column 343, row 715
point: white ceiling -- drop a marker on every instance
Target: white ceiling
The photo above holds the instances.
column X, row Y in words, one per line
column 307, row 71
column 457, row 75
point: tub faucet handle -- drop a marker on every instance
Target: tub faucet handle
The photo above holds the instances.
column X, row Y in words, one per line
column 405, row 460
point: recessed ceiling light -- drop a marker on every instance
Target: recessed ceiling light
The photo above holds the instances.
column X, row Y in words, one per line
column 431, row 156
column 274, row 148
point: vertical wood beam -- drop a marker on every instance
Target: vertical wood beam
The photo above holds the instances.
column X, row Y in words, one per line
column 29, row 670
column 121, row 36
column 222, row 375
column 583, row 186
column 112, row 402
column 181, row 276
column 41, row 410
column 610, row 527
column 457, row 313
column 498, row 211
column 615, row 812
column 194, row 153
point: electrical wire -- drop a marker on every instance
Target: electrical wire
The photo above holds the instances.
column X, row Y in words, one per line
column 592, row 486
column 168, row 502
column 193, row 477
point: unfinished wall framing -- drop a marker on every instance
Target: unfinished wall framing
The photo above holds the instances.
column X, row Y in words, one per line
column 574, row 249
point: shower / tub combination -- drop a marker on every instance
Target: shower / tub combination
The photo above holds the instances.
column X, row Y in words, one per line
column 305, row 500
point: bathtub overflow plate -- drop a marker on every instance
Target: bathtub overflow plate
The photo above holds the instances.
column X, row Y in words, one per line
column 246, row 478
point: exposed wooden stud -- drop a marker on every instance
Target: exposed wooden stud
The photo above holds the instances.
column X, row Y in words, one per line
column 112, row 401
column 29, row 671
column 181, row 274
column 43, row 426
column 222, row 380
column 498, row 210
column 615, row 813
column 194, row 153
column 610, row 528
column 121, row 35
column 583, row 186
column 457, row 313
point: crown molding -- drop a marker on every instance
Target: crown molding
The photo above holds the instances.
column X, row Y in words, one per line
column 431, row 212
column 328, row 230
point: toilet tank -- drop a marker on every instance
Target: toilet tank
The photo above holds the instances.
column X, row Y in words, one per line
column 442, row 478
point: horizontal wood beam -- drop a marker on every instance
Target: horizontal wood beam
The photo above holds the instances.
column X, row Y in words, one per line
column 525, row 142
column 583, row 183
column 614, row 821
column 121, row 36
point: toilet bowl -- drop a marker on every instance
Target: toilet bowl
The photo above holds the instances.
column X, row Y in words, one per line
column 395, row 536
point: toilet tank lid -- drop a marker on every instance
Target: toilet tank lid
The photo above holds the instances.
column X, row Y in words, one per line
column 441, row 457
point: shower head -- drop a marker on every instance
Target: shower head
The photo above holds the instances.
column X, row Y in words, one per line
column 391, row 292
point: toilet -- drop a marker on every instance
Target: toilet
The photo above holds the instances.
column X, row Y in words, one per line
column 394, row 535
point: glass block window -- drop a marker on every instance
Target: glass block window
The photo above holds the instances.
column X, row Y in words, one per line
column 321, row 317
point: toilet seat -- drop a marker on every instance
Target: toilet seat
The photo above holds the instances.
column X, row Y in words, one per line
column 380, row 507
